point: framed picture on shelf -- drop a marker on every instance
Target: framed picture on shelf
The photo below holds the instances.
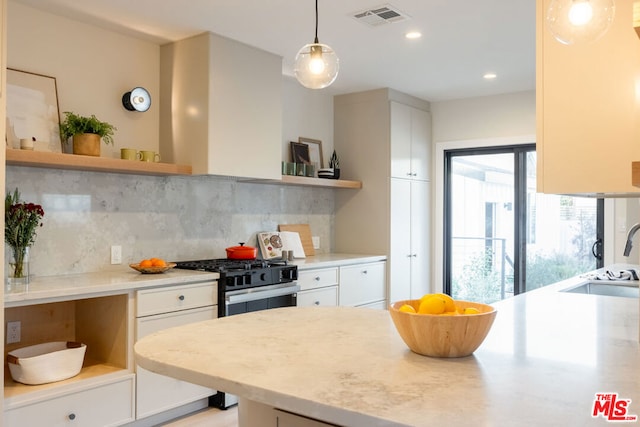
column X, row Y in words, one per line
column 315, row 150
column 32, row 110
column 300, row 153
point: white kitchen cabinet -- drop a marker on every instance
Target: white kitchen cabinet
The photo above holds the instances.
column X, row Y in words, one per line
column 409, row 263
column 376, row 219
column 318, row 287
column 221, row 107
column 587, row 103
column 325, row 297
column 363, row 284
column 110, row 403
column 410, row 142
column 162, row 308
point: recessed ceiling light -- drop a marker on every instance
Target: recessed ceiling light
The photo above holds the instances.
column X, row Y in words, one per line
column 490, row 76
column 413, row 35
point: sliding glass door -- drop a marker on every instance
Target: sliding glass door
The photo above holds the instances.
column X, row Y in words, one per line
column 501, row 237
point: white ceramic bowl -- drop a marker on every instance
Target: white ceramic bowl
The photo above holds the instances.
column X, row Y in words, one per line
column 46, row 363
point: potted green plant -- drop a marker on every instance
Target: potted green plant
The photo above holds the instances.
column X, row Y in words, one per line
column 86, row 133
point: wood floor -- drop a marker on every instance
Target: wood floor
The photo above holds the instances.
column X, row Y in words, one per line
column 208, row 417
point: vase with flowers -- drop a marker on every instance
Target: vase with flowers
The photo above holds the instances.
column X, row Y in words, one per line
column 21, row 221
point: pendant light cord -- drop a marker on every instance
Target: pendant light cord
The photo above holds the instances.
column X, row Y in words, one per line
column 316, row 39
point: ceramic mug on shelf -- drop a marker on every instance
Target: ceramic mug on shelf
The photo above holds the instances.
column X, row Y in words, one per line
column 26, row 143
column 149, row 156
column 129, row 154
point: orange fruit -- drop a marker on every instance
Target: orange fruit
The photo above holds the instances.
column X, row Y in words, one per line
column 146, row 263
column 158, row 262
column 433, row 304
column 407, row 308
column 450, row 304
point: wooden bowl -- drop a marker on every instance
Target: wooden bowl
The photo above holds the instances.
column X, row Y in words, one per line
column 152, row 270
column 440, row 335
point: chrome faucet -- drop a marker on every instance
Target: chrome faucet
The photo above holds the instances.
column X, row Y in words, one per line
column 629, row 245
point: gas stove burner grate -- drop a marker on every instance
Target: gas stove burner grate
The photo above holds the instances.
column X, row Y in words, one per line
column 223, row 264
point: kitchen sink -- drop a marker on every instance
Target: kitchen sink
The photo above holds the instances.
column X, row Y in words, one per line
column 614, row 289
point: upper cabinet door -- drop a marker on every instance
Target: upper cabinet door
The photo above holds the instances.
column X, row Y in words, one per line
column 410, row 142
column 421, row 144
column 588, row 108
column 400, row 140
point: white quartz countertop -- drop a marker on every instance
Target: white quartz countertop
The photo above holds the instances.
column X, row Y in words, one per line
column 545, row 358
column 55, row 288
column 335, row 260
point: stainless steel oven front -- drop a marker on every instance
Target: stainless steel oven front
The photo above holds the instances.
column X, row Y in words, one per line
column 261, row 298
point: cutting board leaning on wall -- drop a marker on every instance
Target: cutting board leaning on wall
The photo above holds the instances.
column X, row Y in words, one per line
column 305, row 236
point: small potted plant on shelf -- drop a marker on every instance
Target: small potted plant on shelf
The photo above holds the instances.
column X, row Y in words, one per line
column 86, row 133
column 334, row 163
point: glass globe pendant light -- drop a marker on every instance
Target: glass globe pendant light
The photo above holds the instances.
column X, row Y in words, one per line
column 577, row 21
column 316, row 64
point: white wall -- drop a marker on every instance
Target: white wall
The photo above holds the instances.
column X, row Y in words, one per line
column 484, row 117
column 307, row 113
column 93, row 69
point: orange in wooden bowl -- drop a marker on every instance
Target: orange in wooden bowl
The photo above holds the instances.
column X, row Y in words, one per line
column 440, row 335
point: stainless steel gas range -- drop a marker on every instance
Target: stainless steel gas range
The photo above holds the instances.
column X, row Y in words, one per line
column 245, row 286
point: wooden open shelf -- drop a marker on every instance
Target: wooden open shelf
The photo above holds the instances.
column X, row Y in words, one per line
column 317, row 182
column 44, row 159
column 635, row 174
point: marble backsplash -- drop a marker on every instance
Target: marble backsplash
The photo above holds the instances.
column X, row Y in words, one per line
column 175, row 218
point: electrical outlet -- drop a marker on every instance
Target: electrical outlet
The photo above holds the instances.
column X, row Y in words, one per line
column 316, row 242
column 116, row 254
column 13, row 332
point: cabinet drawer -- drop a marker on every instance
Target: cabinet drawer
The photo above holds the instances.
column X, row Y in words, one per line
column 104, row 405
column 326, row 297
column 157, row 393
column 312, row 279
column 362, row 284
column 174, row 298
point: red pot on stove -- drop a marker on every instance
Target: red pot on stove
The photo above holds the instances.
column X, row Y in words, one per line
column 242, row 252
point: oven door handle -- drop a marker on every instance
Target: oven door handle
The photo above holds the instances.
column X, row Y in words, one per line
column 261, row 294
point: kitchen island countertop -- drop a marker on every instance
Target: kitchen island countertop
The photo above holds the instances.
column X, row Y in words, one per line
column 546, row 357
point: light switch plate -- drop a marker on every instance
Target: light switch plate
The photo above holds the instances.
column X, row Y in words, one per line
column 116, row 254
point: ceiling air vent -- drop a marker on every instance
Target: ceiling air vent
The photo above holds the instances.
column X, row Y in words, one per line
column 385, row 14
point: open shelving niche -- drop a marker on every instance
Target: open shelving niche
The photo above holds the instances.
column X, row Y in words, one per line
column 44, row 159
column 98, row 322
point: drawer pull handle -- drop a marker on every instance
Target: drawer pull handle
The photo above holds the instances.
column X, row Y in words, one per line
column 364, row 271
column 72, row 416
column 181, row 297
column 317, row 303
column 317, row 278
